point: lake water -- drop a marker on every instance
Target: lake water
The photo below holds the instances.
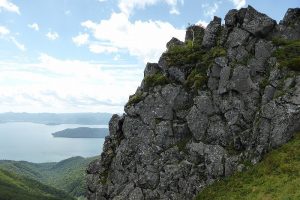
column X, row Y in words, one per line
column 34, row 143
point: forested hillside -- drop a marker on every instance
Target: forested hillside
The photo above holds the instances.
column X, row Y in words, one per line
column 67, row 175
column 16, row 187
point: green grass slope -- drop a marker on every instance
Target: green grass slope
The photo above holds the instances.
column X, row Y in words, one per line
column 67, row 175
column 16, row 187
column 276, row 177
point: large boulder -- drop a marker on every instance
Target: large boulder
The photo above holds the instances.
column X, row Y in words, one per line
column 211, row 33
column 174, row 42
column 257, row 23
column 231, row 18
column 237, row 37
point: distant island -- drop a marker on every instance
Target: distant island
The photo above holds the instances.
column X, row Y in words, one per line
column 57, row 118
column 82, row 132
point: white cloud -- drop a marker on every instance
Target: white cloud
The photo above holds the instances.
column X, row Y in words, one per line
column 4, row 31
column 52, row 35
column 118, row 32
column 7, row 5
column 34, row 26
column 96, row 48
column 18, row 44
column 102, row 0
column 174, row 11
column 6, row 35
column 210, row 9
column 238, row 3
column 81, row 39
column 128, row 6
column 202, row 23
column 55, row 85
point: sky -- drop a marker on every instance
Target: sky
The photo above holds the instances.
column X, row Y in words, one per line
column 89, row 55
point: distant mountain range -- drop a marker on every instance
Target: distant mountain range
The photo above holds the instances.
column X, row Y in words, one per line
column 82, row 132
column 57, row 118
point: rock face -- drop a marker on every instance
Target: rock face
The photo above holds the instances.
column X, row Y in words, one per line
column 257, row 23
column 193, row 121
column 211, row 33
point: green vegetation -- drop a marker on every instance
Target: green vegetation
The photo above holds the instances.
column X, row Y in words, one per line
column 197, row 32
column 190, row 54
column 103, row 177
column 183, row 54
column 276, row 177
column 196, row 79
column 134, row 99
column 264, row 83
column 277, row 41
column 16, row 187
column 288, row 53
column 213, row 53
column 156, row 79
column 294, row 64
column 67, row 175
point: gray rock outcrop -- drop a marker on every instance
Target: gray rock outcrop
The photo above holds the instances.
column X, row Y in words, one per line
column 257, row 23
column 211, row 33
column 203, row 120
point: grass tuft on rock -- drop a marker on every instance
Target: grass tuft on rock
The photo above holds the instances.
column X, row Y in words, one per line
column 196, row 80
column 276, row 177
column 294, row 64
column 134, row 99
column 183, row 54
column 192, row 54
column 156, row 79
column 288, row 53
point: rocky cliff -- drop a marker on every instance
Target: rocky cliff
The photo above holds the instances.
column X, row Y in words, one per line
column 212, row 104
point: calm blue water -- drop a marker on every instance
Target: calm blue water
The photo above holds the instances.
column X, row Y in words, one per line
column 34, row 143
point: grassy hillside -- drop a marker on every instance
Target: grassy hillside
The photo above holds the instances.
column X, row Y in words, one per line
column 16, row 187
column 67, row 175
column 276, row 177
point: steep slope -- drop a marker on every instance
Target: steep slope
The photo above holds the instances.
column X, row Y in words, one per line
column 276, row 177
column 67, row 175
column 224, row 97
column 16, row 187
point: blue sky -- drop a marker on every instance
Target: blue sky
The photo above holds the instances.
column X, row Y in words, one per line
column 89, row 55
